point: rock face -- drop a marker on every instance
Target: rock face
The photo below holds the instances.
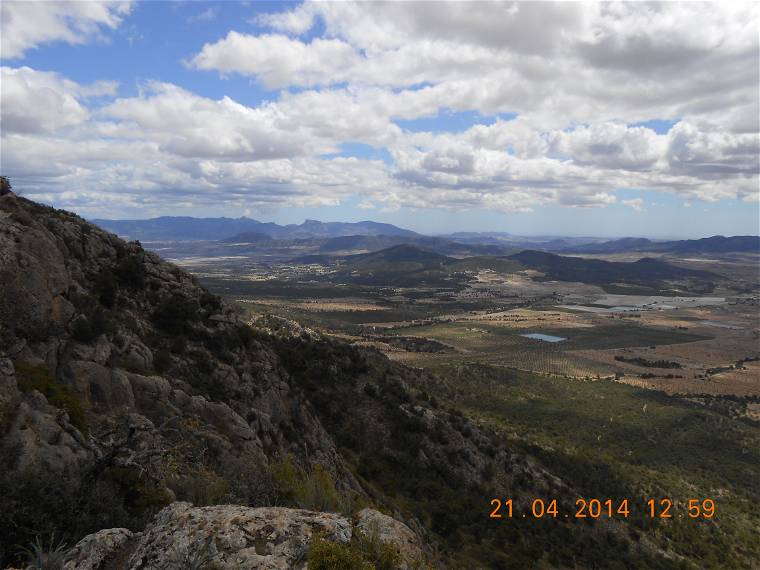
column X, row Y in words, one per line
column 98, row 550
column 232, row 537
column 84, row 318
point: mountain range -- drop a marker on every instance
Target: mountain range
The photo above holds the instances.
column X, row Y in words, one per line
column 171, row 228
column 372, row 236
column 714, row 244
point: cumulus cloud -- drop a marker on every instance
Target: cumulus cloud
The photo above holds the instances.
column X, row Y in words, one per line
column 26, row 25
column 611, row 145
column 568, row 62
column 559, row 87
column 277, row 59
column 713, row 153
column 190, row 126
column 34, row 101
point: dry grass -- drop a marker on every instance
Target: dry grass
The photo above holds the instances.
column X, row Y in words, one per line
column 526, row 318
column 325, row 305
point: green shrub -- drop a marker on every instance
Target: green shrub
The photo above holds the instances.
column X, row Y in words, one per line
column 313, row 490
column 382, row 555
column 34, row 503
column 210, row 301
column 106, row 287
column 142, row 496
column 176, row 313
column 202, row 487
column 38, row 377
column 89, row 327
column 162, row 360
column 364, row 552
column 328, row 555
column 194, row 558
column 178, row 345
column 130, row 271
column 202, row 361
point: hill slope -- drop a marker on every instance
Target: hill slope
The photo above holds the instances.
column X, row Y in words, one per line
column 714, row 244
column 614, row 246
column 247, row 237
column 645, row 272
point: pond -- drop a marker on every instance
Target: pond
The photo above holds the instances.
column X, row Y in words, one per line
column 544, row 337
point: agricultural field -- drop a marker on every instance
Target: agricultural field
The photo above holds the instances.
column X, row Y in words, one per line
column 683, row 343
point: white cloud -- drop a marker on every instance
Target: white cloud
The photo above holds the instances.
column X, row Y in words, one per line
column 24, row 25
column 34, row 101
column 611, row 145
column 636, row 204
column 277, row 59
column 715, row 153
column 208, row 15
column 187, row 125
column 578, row 77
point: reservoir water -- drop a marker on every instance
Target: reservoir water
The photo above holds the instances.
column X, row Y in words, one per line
column 544, row 337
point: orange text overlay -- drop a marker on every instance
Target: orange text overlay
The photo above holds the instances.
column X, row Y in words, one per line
column 584, row 508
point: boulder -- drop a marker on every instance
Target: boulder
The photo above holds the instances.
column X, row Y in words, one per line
column 388, row 529
column 135, row 356
column 96, row 550
column 234, row 537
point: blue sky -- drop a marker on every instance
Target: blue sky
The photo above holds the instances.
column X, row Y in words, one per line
column 527, row 118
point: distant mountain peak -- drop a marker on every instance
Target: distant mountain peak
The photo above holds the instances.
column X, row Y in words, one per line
column 186, row 228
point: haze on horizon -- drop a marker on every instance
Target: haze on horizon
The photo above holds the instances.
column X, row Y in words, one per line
column 532, row 118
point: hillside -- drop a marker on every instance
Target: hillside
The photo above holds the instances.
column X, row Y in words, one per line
column 613, row 246
column 714, row 244
column 408, row 265
column 247, row 237
column 439, row 245
column 647, row 272
column 400, row 265
column 399, row 254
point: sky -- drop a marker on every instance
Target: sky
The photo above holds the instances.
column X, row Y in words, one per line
column 534, row 118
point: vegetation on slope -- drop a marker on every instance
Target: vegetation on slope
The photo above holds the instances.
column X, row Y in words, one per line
column 614, row 441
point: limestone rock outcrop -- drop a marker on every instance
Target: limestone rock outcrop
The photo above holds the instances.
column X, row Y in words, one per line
column 232, row 537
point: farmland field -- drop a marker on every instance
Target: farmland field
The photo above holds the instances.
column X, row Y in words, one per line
column 703, row 344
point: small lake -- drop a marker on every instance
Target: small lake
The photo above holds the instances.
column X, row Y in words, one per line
column 544, row 337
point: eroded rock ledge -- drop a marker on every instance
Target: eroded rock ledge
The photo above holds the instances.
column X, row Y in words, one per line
column 231, row 537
